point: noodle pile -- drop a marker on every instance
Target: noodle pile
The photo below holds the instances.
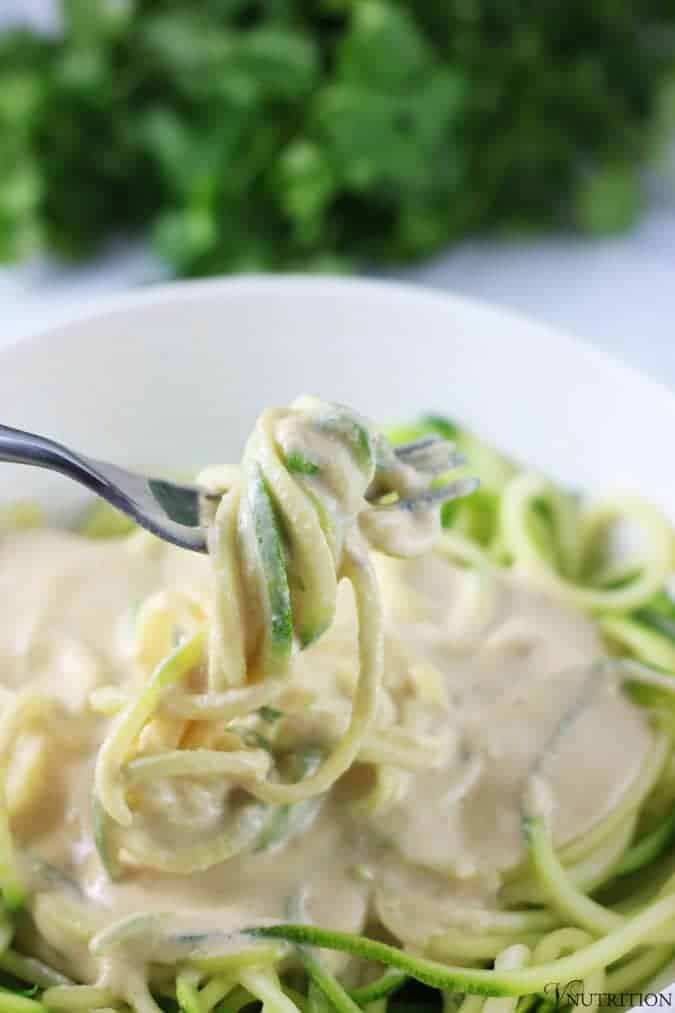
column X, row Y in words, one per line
column 214, row 712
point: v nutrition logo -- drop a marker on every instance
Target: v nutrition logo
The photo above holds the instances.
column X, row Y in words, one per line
column 573, row 994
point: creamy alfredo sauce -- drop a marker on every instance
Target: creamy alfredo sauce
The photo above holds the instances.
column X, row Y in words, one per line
column 484, row 674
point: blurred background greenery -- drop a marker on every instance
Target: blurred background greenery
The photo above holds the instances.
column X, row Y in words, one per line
column 247, row 135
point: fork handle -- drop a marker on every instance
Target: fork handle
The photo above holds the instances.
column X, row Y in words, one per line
column 19, row 447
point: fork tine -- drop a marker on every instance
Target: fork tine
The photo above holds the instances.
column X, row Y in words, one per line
column 434, row 497
column 439, row 461
column 430, row 454
column 403, row 449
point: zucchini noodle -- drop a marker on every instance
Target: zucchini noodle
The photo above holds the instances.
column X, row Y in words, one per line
column 350, row 705
column 522, row 546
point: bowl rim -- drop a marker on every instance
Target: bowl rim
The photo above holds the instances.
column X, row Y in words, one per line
column 163, row 293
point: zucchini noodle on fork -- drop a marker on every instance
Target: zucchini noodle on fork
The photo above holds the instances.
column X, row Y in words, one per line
column 291, row 523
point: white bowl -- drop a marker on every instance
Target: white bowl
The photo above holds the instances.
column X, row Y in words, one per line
column 172, row 378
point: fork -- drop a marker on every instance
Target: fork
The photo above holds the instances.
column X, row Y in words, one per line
column 172, row 511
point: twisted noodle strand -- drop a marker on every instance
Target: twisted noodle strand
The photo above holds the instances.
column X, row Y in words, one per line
column 286, row 530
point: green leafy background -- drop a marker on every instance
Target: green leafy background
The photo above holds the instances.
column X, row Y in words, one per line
column 327, row 134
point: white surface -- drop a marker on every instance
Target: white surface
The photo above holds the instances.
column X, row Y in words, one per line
column 41, row 14
column 617, row 292
column 174, row 378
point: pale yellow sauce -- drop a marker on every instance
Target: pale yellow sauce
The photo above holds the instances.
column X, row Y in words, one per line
column 486, row 684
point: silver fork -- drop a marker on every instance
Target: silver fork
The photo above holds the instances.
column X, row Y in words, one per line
column 172, row 511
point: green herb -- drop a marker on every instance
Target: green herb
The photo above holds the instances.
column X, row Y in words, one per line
column 270, row 714
column 243, row 135
column 300, row 464
column 251, row 738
